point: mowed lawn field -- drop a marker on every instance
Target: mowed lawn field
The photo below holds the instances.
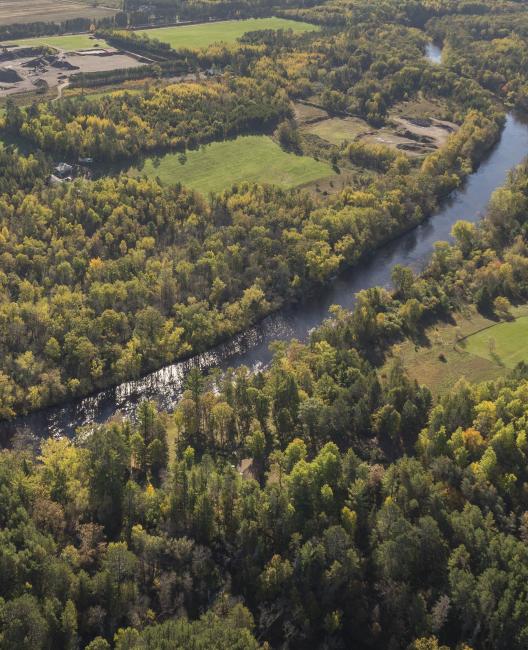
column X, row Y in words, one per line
column 505, row 343
column 69, row 43
column 219, row 165
column 225, row 31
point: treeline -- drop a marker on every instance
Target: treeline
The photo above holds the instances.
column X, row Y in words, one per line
column 71, row 26
column 172, row 10
column 120, row 75
column 107, row 280
column 177, row 117
column 137, row 42
column 413, row 13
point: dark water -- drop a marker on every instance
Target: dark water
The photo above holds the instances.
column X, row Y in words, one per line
column 251, row 348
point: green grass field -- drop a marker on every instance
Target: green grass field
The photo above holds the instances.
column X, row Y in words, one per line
column 219, row 165
column 228, row 31
column 451, row 351
column 504, row 344
column 336, row 129
column 69, row 43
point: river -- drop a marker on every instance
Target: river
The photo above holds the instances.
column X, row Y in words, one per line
column 251, row 347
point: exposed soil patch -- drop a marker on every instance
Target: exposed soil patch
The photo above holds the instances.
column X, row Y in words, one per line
column 33, row 73
column 425, row 130
column 414, row 135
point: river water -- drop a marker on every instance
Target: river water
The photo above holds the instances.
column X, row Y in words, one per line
column 251, row 347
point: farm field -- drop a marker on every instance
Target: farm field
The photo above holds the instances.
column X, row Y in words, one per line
column 23, row 11
column 450, row 351
column 217, row 166
column 226, row 31
column 503, row 344
column 68, row 43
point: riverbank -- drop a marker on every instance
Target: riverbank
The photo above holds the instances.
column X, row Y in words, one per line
column 251, row 347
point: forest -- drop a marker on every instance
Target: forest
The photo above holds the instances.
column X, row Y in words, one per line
column 326, row 500
column 370, row 516
column 106, row 280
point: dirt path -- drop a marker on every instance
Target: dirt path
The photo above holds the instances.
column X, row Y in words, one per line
column 60, row 89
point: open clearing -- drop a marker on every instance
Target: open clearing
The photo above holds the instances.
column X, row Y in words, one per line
column 226, row 31
column 412, row 135
column 68, row 43
column 219, row 165
column 30, row 11
column 415, row 127
column 503, row 344
column 337, row 129
column 462, row 349
column 307, row 114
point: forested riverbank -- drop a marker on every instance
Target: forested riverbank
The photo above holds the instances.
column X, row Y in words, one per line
column 136, row 275
column 331, row 531
column 313, row 495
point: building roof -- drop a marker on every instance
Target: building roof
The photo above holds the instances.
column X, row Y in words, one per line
column 63, row 168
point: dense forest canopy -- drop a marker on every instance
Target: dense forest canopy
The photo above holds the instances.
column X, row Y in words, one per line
column 371, row 516
column 319, row 502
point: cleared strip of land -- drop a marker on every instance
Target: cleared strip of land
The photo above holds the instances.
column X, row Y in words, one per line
column 68, row 43
column 219, row 165
column 226, row 31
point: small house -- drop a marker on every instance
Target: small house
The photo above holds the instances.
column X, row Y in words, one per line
column 63, row 170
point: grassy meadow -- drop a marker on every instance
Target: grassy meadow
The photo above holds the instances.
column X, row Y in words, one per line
column 219, row 165
column 504, row 344
column 69, row 43
column 225, row 31
column 450, row 351
column 336, row 129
